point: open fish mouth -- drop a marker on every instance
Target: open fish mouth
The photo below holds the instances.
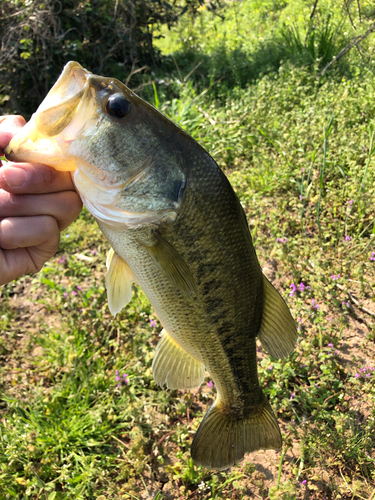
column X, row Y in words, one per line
column 62, row 115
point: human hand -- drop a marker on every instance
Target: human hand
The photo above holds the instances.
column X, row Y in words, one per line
column 36, row 203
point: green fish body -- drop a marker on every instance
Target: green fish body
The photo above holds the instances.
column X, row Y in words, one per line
column 178, row 230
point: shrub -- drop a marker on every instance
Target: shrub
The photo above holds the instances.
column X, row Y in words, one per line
column 106, row 36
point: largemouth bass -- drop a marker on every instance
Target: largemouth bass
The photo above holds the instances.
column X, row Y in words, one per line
column 177, row 229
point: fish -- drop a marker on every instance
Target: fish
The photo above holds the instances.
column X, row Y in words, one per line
column 178, row 230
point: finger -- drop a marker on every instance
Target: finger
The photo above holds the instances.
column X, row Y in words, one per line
column 9, row 126
column 18, row 256
column 64, row 207
column 33, row 178
column 22, row 232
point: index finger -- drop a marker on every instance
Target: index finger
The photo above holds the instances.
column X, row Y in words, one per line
column 28, row 178
column 33, row 178
column 9, row 126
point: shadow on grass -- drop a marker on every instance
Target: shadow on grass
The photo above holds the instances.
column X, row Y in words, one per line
column 238, row 68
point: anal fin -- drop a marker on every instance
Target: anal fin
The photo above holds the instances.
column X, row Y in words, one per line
column 173, row 366
column 277, row 332
column 118, row 282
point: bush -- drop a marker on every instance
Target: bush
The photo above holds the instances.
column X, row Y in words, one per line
column 108, row 37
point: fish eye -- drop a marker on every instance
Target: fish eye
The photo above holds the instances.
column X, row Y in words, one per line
column 117, row 106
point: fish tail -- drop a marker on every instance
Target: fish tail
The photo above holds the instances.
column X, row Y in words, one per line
column 223, row 439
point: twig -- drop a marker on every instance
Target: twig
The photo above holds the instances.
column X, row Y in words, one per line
column 364, row 309
column 359, row 12
column 133, row 72
column 355, row 301
column 311, row 21
column 177, row 67
column 348, row 11
column 356, row 40
column 164, row 437
column 122, row 442
column 192, row 71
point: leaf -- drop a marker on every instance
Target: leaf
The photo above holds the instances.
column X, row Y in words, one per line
column 25, row 55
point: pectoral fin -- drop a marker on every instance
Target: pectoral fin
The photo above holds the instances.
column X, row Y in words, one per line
column 118, row 282
column 171, row 264
column 278, row 332
column 173, row 366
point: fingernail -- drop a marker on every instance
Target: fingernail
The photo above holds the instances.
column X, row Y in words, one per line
column 14, row 177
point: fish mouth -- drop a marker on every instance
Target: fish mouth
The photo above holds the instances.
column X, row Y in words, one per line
column 56, row 122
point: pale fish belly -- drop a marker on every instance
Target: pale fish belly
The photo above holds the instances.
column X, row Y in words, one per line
column 183, row 316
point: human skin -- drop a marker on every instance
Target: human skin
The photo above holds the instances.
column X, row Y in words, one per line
column 36, row 203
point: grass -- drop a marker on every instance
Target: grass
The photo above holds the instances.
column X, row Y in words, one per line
column 299, row 151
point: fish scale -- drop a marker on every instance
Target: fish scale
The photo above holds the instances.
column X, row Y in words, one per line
column 176, row 228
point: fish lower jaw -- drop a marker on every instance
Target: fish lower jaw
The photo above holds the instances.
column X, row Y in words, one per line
column 112, row 216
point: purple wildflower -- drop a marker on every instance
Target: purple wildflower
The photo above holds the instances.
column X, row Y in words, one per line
column 300, row 197
column 293, row 289
column 124, row 379
column 94, row 252
column 65, row 295
column 281, row 240
column 62, row 260
column 301, row 287
column 372, row 256
column 347, row 238
column 304, row 481
column 334, row 277
column 365, row 372
column 152, row 323
column 79, row 287
column 350, row 202
column 315, row 305
column 291, row 396
column 74, row 293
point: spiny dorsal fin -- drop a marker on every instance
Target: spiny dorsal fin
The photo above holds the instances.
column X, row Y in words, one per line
column 171, row 264
column 278, row 332
column 118, row 282
column 223, row 439
column 173, row 366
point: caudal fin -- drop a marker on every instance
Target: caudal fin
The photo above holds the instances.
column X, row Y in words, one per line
column 222, row 440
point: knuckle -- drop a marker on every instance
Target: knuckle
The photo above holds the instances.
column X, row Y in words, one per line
column 48, row 176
